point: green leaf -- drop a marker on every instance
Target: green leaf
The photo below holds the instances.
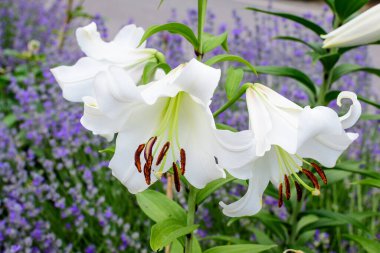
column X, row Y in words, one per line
column 10, row 120
column 332, row 95
column 345, row 8
column 354, row 167
column 328, row 61
column 314, row 46
column 347, row 68
column 109, row 150
column 370, row 246
column 370, row 117
column 231, row 58
column 334, row 176
column 340, row 217
column 369, row 182
column 211, row 42
column 261, row 237
column 300, row 20
column 150, row 70
column 212, row 187
column 306, row 220
column 234, row 78
column 229, row 239
column 331, row 4
column 322, row 223
column 176, row 28
column 293, row 73
column 166, row 231
column 222, row 126
column 158, row 207
column 242, row 248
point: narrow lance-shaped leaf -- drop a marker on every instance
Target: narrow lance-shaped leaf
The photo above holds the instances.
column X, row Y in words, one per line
column 176, row 28
column 369, row 181
column 369, row 245
column 346, row 8
column 233, row 80
column 345, row 69
column 211, row 42
column 293, row 73
column 159, row 208
column 230, row 58
column 240, row 248
column 165, row 232
column 212, row 187
column 314, row 46
column 306, row 23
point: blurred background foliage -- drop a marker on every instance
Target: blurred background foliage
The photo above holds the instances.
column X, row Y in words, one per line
column 57, row 194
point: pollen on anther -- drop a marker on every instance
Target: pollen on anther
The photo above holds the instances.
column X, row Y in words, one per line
column 312, row 178
column 177, row 181
column 280, row 198
column 183, row 161
column 139, row 149
column 320, row 172
column 149, row 147
column 163, row 152
column 287, row 187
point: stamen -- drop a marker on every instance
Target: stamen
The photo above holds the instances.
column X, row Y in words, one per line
column 162, row 154
column 320, row 172
column 299, row 191
column 139, row 149
column 280, row 199
column 312, row 178
column 149, row 147
column 148, row 169
column 183, row 161
column 287, row 187
column 177, row 182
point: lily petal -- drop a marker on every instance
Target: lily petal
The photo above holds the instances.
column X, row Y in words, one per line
column 76, row 81
column 353, row 115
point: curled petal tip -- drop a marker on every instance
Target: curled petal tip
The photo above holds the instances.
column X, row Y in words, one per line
column 353, row 114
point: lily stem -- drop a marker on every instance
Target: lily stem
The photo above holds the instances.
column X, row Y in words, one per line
column 202, row 8
column 294, row 222
column 191, row 204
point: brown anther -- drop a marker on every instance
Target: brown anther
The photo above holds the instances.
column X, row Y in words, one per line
column 183, row 161
column 177, row 182
column 280, row 199
column 299, row 191
column 149, row 147
column 312, row 178
column 162, row 154
column 148, row 170
column 137, row 156
column 287, row 187
column 320, row 172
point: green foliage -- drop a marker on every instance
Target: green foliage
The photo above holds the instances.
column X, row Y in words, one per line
column 370, row 246
column 230, row 58
column 345, row 69
column 333, row 94
column 176, row 28
column 159, row 208
column 302, row 21
column 234, row 78
column 346, row 8
column 211, row 188
column 370, row 182
column 166, row 231
column 211, row 42
column 242, row 248
column 150, row 70
column 314, row 46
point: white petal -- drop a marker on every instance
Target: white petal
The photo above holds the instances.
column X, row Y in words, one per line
column 251, row 202
column 197, row 139
column 235, row 152
column 353, row 115
column 273, row 119
column 96, row 121
column 121, row 50
column 76, row 81
column 116, row 93
column 199, row 80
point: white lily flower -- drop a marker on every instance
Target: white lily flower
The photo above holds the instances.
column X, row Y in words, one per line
column 76, row 81
column 169, row 125
column 286, row 134
column 361, row 30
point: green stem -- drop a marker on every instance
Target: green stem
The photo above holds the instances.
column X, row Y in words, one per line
column 191, row 205
column 227, row 105
column 294, row 221
column 202, row 7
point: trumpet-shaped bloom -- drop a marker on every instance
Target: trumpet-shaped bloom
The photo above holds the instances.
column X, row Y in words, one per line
column 76, row 81
column 361, row 30
column 169, row 125
column 286, row 135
